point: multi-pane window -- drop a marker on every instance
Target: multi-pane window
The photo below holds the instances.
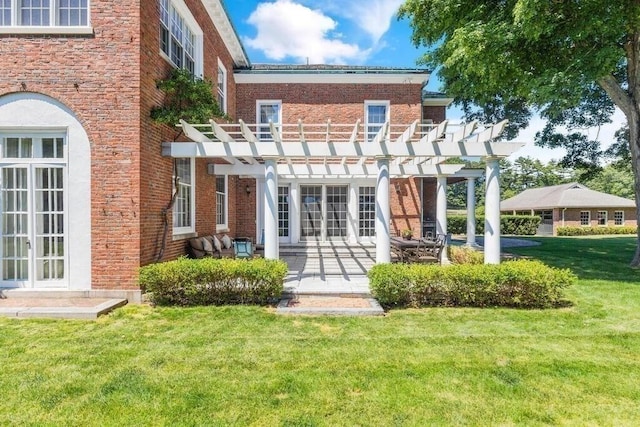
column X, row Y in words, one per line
column 376, row 114
column 367, row 211
column 44, row 13
column 221, row 201
column 283, row 211
column 222, row 87
column 618, row 217
column 602, row 217
column 33, row 147
column 268, row 111
column 178, row 38
column 585, row 217
column 183, row 208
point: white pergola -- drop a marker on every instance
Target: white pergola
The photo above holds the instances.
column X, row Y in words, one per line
column 327, row 150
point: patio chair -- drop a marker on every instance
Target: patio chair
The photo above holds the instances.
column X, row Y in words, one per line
column 242, row 247
column 427, row 251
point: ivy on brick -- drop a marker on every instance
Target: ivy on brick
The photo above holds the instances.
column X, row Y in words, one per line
column 186, row 97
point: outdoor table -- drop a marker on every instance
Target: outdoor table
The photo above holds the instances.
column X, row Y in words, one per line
column 402, row 246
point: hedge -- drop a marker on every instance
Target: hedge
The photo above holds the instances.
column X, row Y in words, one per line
column 593, row 231
column 520, row 284
column 210, row 281
column 519, row 225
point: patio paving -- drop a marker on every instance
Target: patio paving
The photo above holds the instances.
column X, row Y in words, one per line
column 59, row 307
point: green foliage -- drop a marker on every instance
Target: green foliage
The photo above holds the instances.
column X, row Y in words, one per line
column 595, row 231
column 521, row 284
column 616, row 180
column 210, row 281
column 519, row 225
column 465, row 255
column 186, row 97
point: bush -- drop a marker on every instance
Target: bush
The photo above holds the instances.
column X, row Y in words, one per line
column 521, row 284
column 593, row 231
column 465, row 255
column 210, row 281
column 519, row 225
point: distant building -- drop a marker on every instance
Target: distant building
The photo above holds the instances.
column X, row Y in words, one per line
column 571, row 205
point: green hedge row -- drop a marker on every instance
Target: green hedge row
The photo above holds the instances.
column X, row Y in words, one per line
column 519, row 225
column 211, row 281
column 593, row 231
column 522, row 284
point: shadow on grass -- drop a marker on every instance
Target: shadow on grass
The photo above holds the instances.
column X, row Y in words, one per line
column 590, row 258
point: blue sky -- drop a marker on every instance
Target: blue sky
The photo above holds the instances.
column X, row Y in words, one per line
column 354, row 32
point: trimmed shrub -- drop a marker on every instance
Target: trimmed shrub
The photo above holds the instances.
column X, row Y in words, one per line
column 595, row 231
column 211, row 281
column 520, row 284
column 519, row 225
column 465, row 255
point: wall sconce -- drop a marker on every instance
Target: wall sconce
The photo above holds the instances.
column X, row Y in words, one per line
column 248, row 190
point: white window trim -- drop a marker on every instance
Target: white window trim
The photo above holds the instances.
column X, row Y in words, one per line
column 606, row 218
column 223, row 227
column 222, row 68
column 181, row 231
column 621, row 219
column 368, row 103
column 190, row 21
column 588, row 218
column 50, row 29
column 261, row 102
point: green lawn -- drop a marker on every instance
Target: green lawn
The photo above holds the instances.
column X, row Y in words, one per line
column 247, row 366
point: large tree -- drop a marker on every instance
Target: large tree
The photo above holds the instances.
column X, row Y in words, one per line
column 571, row 60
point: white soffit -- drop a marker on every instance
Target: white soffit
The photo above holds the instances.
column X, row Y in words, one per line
column 221, row 21
column 331, row 78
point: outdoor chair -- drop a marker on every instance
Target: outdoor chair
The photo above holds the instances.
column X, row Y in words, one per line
column 427, row 251
column 242, row 247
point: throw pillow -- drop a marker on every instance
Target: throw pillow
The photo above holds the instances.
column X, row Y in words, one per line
column 226, row 241
column 206, row 246
column 216, row 244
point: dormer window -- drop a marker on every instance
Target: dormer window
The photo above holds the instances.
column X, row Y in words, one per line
column 180, row 36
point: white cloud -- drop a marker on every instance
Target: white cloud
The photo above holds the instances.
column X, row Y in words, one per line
column 291, row 30
column 372, row 16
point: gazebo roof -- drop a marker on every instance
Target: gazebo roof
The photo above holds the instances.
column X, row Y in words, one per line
column 572, row 195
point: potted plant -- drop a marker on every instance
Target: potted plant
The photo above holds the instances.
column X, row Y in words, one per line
column 407, row 233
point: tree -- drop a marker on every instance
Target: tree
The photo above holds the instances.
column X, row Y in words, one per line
column 572, row 60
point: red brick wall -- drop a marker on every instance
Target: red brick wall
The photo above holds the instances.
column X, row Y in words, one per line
column 98, row 77
column 572, row 217
column 437, row 114
column 342, row 103
column 156, row 180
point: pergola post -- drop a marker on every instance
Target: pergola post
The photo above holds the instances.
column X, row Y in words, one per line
column 271, row 245
column 441, row 212
column 492, row 213
column 471, row 212
column 383, row 212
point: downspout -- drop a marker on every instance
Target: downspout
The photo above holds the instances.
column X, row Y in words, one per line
column 563, row 209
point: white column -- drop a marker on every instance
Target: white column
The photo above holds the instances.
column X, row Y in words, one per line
column 492, row 213
column 271, row 245
column 352, row 213
column 441, row 205
column 441, row 214
column 471, row 212
column 383, row 213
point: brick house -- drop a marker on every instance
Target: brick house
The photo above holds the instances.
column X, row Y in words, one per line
column 571, row 205
column 86, row 175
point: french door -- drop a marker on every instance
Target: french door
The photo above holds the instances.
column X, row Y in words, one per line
column 33, row 249
column 323, row 213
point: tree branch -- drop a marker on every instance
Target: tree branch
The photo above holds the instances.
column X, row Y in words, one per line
column 618, row 95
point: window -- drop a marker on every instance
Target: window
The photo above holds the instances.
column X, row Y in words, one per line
column 268, row 111
column 367, row 211
column 33, row 147
column 375, row 115
column 618, row 217
column 180, row 36
column 585, row 218
column 44, row 13
column 602, row 217
column 184, row 207
column 222, row 87
column 221, row 202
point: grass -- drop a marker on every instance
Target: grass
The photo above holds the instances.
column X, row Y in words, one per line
column 247, row 366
